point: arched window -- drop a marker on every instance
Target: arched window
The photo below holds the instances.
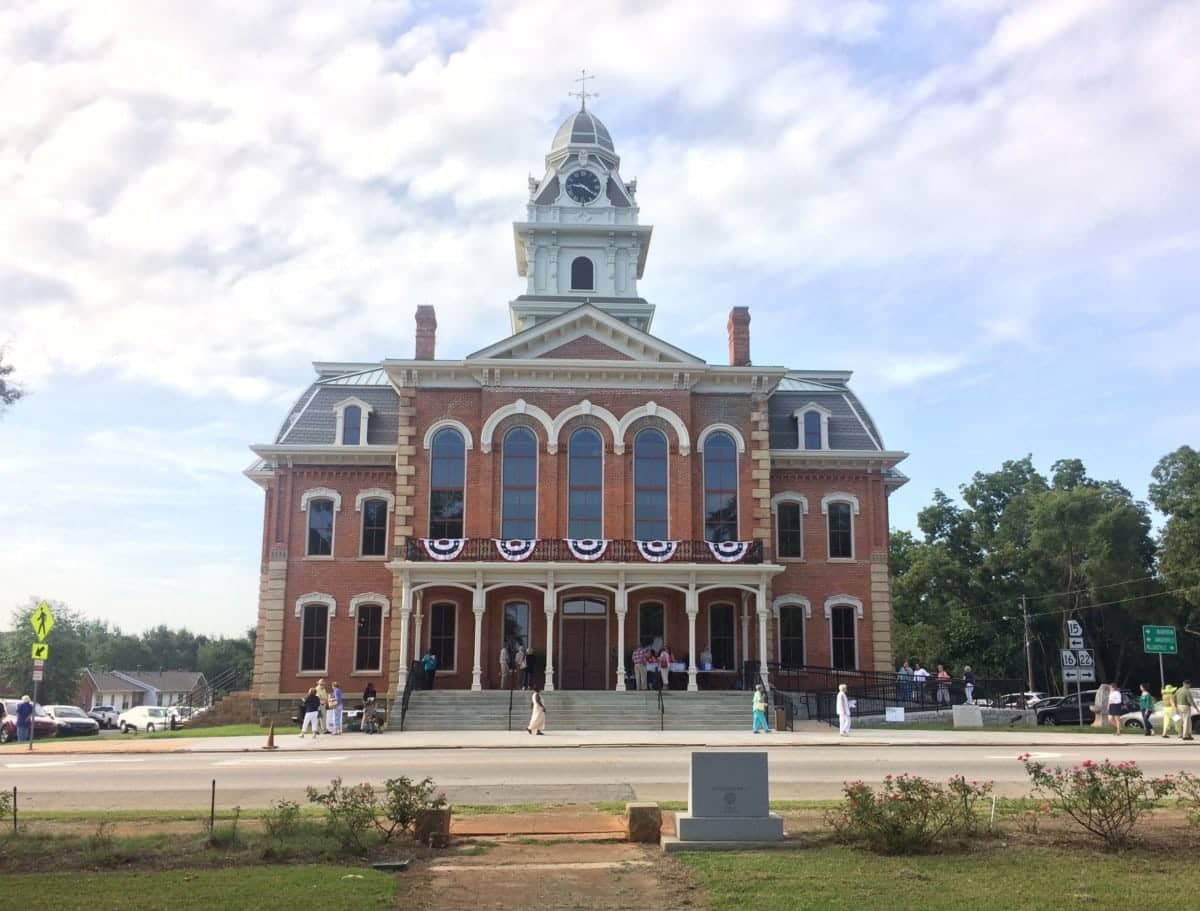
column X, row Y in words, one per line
column 720, row 488
column 447, row 474
column 789, row 524
column 582, row 274
column 351, row 425
column 585, row 480
column 841, row 531
column 314, row 638
column 844, row 648
column 320, row 527
column 791, row 635
column 812, row 430
column 368, row 638
column 650, row 486
column 518, row 512
column 374, row 527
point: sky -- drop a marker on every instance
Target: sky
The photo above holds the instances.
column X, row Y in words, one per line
column 985, row 209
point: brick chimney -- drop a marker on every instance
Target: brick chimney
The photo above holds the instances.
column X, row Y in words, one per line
column 426, row 333
column 739, row 337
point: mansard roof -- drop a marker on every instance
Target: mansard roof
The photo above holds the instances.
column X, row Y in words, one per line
column 850, row 426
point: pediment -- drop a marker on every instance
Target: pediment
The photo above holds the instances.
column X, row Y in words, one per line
column 586, row 333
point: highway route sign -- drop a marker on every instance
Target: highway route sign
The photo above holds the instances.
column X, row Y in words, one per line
column 1075, row 642
column 1079, row 674
column 1159, row 640
column 1067, row 658
column 41, row 651
column 1074, row 628
column 42, row 621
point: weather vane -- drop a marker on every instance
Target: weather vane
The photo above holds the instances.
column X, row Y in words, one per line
column 583, row 94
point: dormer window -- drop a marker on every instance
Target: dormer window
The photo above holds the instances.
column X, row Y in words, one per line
column 812, row 424
column 583, row 274
column 353, row 418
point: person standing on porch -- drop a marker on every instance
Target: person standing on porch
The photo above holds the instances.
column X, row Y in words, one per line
column 638, row 660
column 843, row 711
column 505, row 666
column 664, row 667
column 537, row 714
column 653, row 679
column 429, row 666
column 760, row 710
column 521, row 663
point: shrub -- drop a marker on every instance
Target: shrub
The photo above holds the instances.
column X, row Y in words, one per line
column 1187, row 786
column 1030, row 822
column 350, row 813
column 282, row 819
column 907, row 814
column 405, row 799
column 1106, row 799
column 226, row 836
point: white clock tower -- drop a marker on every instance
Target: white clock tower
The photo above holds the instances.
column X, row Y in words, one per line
column 580, row 241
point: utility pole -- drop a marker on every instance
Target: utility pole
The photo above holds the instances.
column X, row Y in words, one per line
column 1028, row 651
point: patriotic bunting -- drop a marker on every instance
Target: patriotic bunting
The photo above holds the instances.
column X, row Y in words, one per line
column 657, row 551
column 729, row 551
column 444, row 548
column 587, row 548
column 515, row 549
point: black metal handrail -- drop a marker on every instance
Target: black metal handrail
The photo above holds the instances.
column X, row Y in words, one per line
column 662, row 710
column 409, row 685
column 556, row 550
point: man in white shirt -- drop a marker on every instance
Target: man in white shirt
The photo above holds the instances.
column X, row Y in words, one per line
column 920, row 675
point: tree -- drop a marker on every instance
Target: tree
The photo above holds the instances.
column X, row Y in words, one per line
column 1175, row 492
column 219, row 655
column 9, row 391
column 68, row 653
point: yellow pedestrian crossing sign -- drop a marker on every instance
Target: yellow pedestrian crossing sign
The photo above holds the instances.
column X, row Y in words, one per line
column 41, row 651
column 42, row 621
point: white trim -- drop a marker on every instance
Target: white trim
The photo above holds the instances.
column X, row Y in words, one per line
column 737, row 493
column 799, row 414
column 792, row 601
column 845, row 601
column 468, row 440
column 721, row 428
column 653, row 409
column 667, row 445
column 520, row 406
column 734, row 617
column 865, row 425
column 602, row 469
column 598, row 411
column 320, row 493
column 317, row 598
column 852, row 501
column 537, row 474
column 364, row 416
column 374, row 493
column 789, row 496
column 838, row 496
column 370, row 598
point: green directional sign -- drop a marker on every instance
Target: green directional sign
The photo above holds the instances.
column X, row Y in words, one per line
column 1159, row 640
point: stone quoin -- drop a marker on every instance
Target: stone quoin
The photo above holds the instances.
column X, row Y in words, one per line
column 580, row 488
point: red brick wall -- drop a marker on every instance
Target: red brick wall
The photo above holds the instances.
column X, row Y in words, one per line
column 586, row 348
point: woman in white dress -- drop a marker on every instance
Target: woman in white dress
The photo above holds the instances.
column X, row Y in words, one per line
column 843, row 710
column 537, row 715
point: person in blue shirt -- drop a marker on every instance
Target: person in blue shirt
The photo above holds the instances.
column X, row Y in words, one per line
column 429, row 665
column 24, row 719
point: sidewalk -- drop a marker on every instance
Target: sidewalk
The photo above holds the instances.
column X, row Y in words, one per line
column 491, row 740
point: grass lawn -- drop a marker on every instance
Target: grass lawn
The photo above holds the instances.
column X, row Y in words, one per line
column 1011, row 879
column 324, row 887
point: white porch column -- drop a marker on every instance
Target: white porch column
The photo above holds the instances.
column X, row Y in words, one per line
column 477, row 605
column 745, row 630
column 418, row 614
column 763, row 608
column 621, row 607
column 550, row 608
column 405, row 612
column 693, row 609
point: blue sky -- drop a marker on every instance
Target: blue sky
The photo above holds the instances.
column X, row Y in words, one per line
column 986, row 209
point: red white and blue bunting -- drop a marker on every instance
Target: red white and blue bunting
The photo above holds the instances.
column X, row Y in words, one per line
column 729, row 551
column 515, row 549
column 444, row 548
column 657, row 551
column 587, row 548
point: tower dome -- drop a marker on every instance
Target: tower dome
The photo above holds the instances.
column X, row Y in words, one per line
column 582, row 128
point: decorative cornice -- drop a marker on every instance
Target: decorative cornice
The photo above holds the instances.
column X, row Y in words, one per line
column 317, row 598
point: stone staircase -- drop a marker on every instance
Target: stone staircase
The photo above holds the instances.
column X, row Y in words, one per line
column 575, row 710
column 233, row 708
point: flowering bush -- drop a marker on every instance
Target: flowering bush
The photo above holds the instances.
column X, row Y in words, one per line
column 907, row 814
column 1188, row 787
column 1105, row 798
column 1030, row 822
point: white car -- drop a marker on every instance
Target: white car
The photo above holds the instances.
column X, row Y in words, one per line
column 148, row 718
column 104, row 715
column 1134, row 719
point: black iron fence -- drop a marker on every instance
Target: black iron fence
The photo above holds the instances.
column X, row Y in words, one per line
column 415, row 669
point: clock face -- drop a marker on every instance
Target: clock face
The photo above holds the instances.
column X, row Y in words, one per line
column 582, row 186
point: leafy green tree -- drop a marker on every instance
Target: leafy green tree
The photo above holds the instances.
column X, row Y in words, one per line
column 68, row 653
column 1175, row 492
column 219, row 655
column 9, row 391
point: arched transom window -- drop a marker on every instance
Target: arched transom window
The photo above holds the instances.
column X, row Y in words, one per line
column 582, row 274
column 720, row 488
column 650, row 486
column 585, row 474
column 518, row 511
column 447, row 475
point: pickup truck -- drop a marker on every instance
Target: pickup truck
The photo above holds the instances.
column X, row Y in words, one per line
column 105, row 715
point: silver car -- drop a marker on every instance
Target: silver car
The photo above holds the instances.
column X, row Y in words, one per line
column 1134, row 719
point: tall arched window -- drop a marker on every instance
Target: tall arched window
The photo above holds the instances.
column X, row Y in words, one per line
column 720, row 488
column 842, row 638
column 518, row 512
column 585, row 480
column 812, row 430
column 582, row 274
column 351, row 426
column 320, row 528
column 447, row 474
column 650, row 486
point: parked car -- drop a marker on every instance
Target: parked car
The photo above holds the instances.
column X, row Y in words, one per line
column 72, row 721
column 1027, row 700
column 104, row 715
column 148, row 718
column 1068, row 710
column 1134, row 719
column 43, row 724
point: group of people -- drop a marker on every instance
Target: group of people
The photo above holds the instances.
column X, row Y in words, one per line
column 1178, row 704
column 914, row 685
column 323, row 709
column 651, row 668
column 516, row 664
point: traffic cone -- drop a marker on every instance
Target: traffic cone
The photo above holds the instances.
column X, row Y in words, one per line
column 270, row 744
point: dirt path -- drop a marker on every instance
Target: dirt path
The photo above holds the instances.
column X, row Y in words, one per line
column 560, row 874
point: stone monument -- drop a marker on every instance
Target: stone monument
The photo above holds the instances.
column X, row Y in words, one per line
column 728, row 804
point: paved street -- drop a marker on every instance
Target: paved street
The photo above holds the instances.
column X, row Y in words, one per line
column 543, row 770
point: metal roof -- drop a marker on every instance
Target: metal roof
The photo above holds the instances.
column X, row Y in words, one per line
column 582, row 128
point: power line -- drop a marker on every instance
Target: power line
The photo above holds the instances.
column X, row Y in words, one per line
column 1090, row 588
column 1068, row 610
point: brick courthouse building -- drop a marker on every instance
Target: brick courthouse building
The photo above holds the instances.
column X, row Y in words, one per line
column 581, row 486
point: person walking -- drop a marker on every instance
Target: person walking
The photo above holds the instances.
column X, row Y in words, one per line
column 312, row 712
column 843, row 711
column 337, row 703
column 505, row 666
column 369, row 724
column 531, row 667
column 1168, row 694
column 969, row 685
column 1146, row 705
column 943, row 685
column 664, row 667
column 1115, row 700
column 521, row 663
column 429, row 666
column 323, row 697
column 760, row 710
column 537, row 713
column 1185, row 701
column 24, row 720
column 638, row 660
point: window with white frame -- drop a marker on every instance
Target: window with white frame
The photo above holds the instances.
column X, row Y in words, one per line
column 842, row 637
column 812, row 425
column 374, row 527
column 518, row 508
column 368, row 638
column 721, row 639
column 447, row 484
column 650, row 486
column 353, row 419
column 320, row 527
column 841, row 530
column 585, row 484
column 314, row 637
column 789, row 526
column 791, row 635
column 720, row 488
column 443, row 638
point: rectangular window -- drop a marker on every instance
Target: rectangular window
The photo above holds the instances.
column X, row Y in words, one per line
column 446, row 513
column 791, row 636
column 652, row 624
column 519, row 511
column 585, row 607
column 374, row 528
column 789, row 522
column 841, row 545
column 368, row 640
column 320, row 528
column 842, row 619
column 442, row 629
column 720, row 636
column 812, row 430
column 314, row 637
column 516, row 626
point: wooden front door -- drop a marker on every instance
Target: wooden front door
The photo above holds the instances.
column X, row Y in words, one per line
column 583, row 658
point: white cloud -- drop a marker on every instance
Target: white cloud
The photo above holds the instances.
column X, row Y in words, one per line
column 907, row 370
